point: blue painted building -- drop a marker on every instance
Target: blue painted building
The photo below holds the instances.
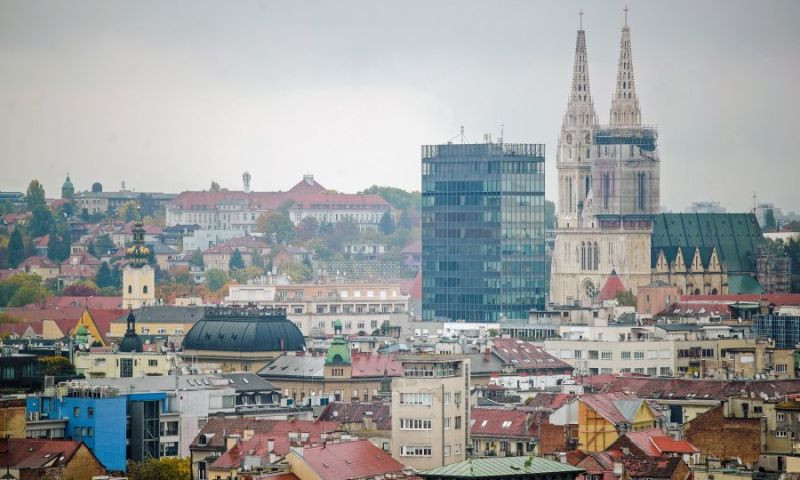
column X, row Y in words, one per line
column 115, row 427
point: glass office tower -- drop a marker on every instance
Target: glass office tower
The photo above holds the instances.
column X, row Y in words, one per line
column 483, row 256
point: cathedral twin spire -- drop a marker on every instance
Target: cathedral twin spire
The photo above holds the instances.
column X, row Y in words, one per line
column 625, row 111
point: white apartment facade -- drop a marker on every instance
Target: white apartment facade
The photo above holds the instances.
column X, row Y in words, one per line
column 430, row 411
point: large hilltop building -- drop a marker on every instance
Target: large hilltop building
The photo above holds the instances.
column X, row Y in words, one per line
column 239, row 210
column 608, row 219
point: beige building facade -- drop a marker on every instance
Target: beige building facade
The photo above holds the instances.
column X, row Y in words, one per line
column 430, row 411
column 608, row 187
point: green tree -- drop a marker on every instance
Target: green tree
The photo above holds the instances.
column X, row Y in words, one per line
column 56, row 366
column 129, row 212
column 66, row 210
column 405, row 220
column 299, row 272
column 34, row 197
column 160, row 469
column 284, row 207
column 549, row 215
column 104, row 277
column 41, row 221
column 386, row 224
column 59, row 244
column 279, row 229
column 216, row 279
column 16, row 249
column 214, row 187
column 105, row 244
column 307, row 229
column 626, row 299
column 27, row 294
column 90, row 248
column 196, row 260
column 236, row 262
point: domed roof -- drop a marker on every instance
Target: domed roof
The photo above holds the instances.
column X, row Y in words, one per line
column 244, row 330
column 131, row 341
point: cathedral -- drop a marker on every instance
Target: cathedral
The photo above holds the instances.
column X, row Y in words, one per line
column 608, row 220
column 608, row 186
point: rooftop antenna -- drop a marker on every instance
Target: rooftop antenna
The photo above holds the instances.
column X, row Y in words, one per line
column 502, row 132
column 754, row 202
column 460, row 135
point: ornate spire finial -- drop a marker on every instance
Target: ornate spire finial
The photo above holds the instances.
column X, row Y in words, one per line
column 580, row 15
column 626, row 14
column 625, row 104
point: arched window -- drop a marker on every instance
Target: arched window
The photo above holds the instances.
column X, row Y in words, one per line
column 596, row 256
column 697, row 291
column 130, row 288
column 144, row 289
column 713, row 291
column 583, row 256
column 589, row 262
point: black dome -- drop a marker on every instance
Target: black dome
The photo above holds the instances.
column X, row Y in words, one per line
column 244, row 330
column 131, row 342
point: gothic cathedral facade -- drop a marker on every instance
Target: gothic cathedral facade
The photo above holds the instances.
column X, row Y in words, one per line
column 608, row 187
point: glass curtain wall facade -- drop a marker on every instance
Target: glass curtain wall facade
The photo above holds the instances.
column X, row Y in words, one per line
column 483, row 254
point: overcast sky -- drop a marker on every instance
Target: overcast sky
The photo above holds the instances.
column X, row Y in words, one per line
column 170, row 95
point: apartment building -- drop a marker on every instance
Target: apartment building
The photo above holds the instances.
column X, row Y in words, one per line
column 362, row 308
column 430, row 411
column 726, row 358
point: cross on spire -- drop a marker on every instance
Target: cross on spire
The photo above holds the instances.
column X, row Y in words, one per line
column 580, row 15
column 626, row 14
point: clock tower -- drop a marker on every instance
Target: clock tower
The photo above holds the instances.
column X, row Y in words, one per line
column 138, row 277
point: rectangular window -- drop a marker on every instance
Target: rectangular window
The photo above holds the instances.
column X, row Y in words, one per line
column 447, row 450
column 626, row 355
column 781, row 416
column 90, row 411
column 76, row 412
column 447, row 423
column 458, row 422
column 457, row 397
column 415, row 424
column 415, row 451
column 780, row 434
column 780, row 368
column 416, row 399
column 638, row 370
column 152, row 363
column 638, row 355
column 447, row 398
column 606, row 355
column 652, row 371
column 578, row 353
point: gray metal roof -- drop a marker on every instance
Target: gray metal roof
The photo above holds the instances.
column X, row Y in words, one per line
column 248, row 382
column 501, row 467
column 164, row 383
column 165, row 314
column 292, row 366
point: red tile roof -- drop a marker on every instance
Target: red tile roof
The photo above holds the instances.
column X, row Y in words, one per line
column 103, row 303
column 83, row 258
column 37, row 261
column 549, row 401
column 498, row 422
column 373, row 365
column 779, row 299
column 103, row 318
column 342, row 461
column 357, row 412
column 304, row 195
column 526, row 355
column 25, row 453
column 667, row 444
column 611, row 406
column 279, row 430
column 611, row 288
column 693, row 309
column 650, row 467
column 256, row 446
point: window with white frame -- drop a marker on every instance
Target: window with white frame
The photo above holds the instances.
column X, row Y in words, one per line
column 416, row 398
column 415, row 424
column 415, row 450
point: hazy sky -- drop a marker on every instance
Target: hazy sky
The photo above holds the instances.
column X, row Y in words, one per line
column 170, row 95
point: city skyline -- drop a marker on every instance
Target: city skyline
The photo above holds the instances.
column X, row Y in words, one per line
column 146, row 93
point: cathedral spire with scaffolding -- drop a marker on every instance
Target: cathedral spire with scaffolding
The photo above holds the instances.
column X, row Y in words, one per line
column 625, row 110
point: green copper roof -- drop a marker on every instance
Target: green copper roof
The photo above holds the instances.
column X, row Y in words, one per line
column 501, row 467
column 743, row 284
column 338, row 353
column 736, row 236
